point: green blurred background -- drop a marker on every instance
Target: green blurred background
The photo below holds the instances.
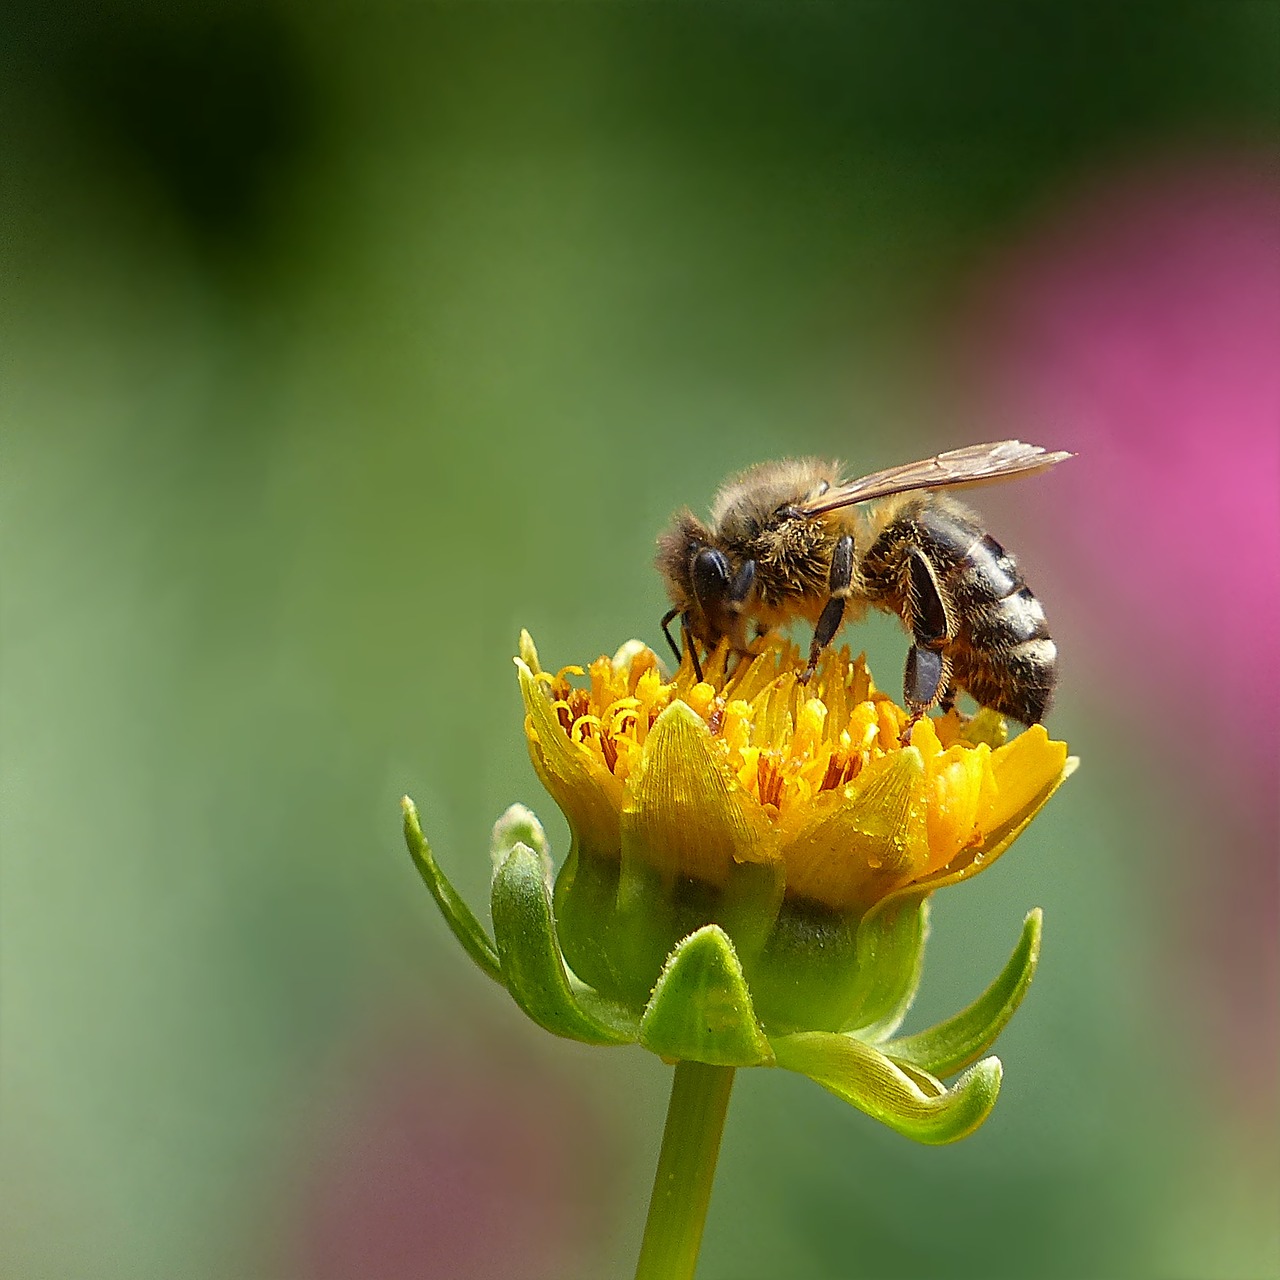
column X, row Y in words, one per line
column 342, row 342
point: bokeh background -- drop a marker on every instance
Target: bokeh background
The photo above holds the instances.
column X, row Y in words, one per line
column 340, row 342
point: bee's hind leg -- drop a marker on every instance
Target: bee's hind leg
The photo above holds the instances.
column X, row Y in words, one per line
column 927, row 679
column 926, row 682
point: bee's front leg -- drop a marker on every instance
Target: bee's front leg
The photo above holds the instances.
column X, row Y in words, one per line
column 841, row 583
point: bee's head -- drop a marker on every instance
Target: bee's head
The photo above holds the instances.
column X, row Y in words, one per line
column 700, row 578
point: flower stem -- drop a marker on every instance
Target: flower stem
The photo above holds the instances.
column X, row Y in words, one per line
column 686, row 1170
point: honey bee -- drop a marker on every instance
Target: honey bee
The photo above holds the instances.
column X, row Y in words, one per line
column 792, row 540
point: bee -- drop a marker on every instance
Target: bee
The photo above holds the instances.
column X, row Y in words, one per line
column 792, row 540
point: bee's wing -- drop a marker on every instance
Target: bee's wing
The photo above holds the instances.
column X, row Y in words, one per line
column 971, row 465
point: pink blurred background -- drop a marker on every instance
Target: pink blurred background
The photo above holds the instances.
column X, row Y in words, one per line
column 1138, row 324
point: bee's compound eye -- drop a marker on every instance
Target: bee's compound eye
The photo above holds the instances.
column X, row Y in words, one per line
column 710, row 575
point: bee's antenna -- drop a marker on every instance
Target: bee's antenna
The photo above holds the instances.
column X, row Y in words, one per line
column 667, row 619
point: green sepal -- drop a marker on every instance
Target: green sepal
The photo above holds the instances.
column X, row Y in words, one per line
column 585, row 902
column 701, row 1009
column 806, row 977
column 908, row 1100
column 954, row 1044
column 618, row 924
column 532, row 964
column 891, row 940
column 827, row 970
column 458, row 916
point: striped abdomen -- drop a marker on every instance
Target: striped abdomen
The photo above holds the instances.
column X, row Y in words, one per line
column 997, row 644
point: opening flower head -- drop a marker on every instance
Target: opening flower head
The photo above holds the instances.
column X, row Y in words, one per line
column 751, row 766
column 749, row 870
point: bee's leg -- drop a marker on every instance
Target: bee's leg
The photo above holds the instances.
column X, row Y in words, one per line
column 841, row 584
column 927, row 679
column 925, row 684
column 924, row 680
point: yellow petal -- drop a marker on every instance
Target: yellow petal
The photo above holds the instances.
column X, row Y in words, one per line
column 630, row 654
column 1022, row 769
column 528, row 653
column 1013, row 805
column 892, row 721
column 588, row 795
column 860, row 843
column 685, row 812
column 956, row 792
column 924, row 737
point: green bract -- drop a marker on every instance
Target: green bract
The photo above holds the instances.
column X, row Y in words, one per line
column 702, row 1008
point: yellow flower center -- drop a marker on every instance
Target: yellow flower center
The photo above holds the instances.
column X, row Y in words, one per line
column 785, row 742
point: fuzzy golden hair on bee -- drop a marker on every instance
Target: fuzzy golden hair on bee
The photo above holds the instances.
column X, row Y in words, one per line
column 792, row 540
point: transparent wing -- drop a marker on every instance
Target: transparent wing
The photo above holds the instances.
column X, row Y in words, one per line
column 972, row 465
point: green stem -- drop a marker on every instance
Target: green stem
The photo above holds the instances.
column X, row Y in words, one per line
column 686, row 1170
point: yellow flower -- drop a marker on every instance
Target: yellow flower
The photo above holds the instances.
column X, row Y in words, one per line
column 749, row 766
column 749, row 871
